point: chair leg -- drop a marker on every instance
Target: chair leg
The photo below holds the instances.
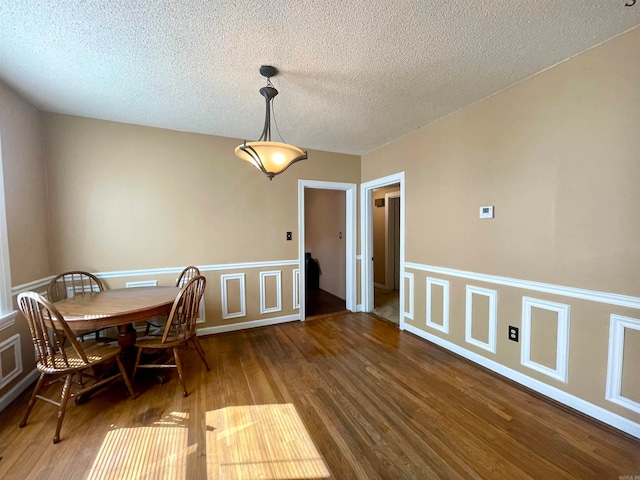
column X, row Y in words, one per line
column 196, row 342
column 32, row 400
column 176, row 356
column 147, row 328
column 135, row 365
column 66, row 389
column 125, row 377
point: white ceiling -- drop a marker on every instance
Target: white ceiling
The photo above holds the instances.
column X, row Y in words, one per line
column 355, row 74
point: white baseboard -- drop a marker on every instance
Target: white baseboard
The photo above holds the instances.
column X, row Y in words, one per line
column 595, row 411
column 246, row 325
column 359, row 308
column 18, row 388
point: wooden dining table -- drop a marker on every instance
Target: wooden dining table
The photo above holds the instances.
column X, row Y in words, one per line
column 119, row 307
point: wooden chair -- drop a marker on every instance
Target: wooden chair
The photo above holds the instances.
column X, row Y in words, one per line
column 54, row 359
column 69, row 284
column 179, row 331
column 187, row 274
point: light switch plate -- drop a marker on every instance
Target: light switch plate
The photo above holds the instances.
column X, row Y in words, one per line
column 486, row 212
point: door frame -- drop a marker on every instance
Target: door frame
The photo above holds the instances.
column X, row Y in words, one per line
column 366, row 238
column 350, row 190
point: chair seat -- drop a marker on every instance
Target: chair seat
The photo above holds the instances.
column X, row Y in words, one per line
column 96, row 352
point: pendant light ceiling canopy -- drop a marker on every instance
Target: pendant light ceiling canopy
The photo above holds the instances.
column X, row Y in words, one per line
column 272, row 158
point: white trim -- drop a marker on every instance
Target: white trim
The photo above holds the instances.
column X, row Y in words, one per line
column 409, row 314
column 359, row 308
column 263, row 292
column 388, row 279
column 444, row 326
column 18, row 388
column 591, row 295
column 359, row 257
column 350, row 190
column 13, row 341
column 595, row 411
column 562, row 341
column 8, row 320
column 142, row 283
column 31, row 286
column 246, row 325
column 223, row 295
column 203, row 268
column 296, row 288
column 6, row 302
column 366, row 239
column 617, row 324
column 493, row 317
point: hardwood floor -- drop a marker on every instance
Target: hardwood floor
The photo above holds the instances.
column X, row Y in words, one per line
column 341, row 397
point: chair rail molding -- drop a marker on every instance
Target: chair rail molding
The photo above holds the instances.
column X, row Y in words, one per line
column 572, row 292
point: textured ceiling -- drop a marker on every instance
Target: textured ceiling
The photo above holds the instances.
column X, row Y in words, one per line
column 355, row 74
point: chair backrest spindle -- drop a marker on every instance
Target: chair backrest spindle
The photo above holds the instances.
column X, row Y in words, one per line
column 187, row 274
column 69, row 284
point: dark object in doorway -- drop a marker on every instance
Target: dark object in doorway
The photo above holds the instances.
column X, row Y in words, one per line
column 379, row 202
column 312, row 272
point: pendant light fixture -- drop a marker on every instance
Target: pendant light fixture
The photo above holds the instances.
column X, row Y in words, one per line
column 272, row 158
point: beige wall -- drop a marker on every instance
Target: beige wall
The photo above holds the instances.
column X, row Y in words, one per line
column 558, row 157
column 325, row 219
column 26, row 208
column 127, row 197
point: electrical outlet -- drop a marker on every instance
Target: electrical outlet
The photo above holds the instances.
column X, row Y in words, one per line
column 289, row 236
column 513, row 333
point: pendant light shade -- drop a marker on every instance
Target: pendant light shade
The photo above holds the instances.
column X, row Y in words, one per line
column 272, row 158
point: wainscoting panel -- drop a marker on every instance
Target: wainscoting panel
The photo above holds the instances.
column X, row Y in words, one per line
column 225, row 279
column 10, row 359
column 296, row 289
column 492, row 317
column 440, row 303
column 409, row 296
column 271, row 291
column 617, row 364
column 560, row 372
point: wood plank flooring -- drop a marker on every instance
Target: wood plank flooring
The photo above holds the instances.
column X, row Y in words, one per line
column 342, row 397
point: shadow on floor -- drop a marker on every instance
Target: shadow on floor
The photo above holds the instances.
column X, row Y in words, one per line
column 319, row 302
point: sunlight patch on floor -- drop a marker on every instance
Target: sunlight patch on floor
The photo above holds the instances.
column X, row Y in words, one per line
column 156, row 451
column 268, row 442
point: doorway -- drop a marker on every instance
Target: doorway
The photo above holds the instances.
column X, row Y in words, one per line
column 387, row 274
column 348, row 239
column 386, row 252
column 325, row 251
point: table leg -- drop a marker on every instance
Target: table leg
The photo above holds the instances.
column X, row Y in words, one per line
column 127, row 339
